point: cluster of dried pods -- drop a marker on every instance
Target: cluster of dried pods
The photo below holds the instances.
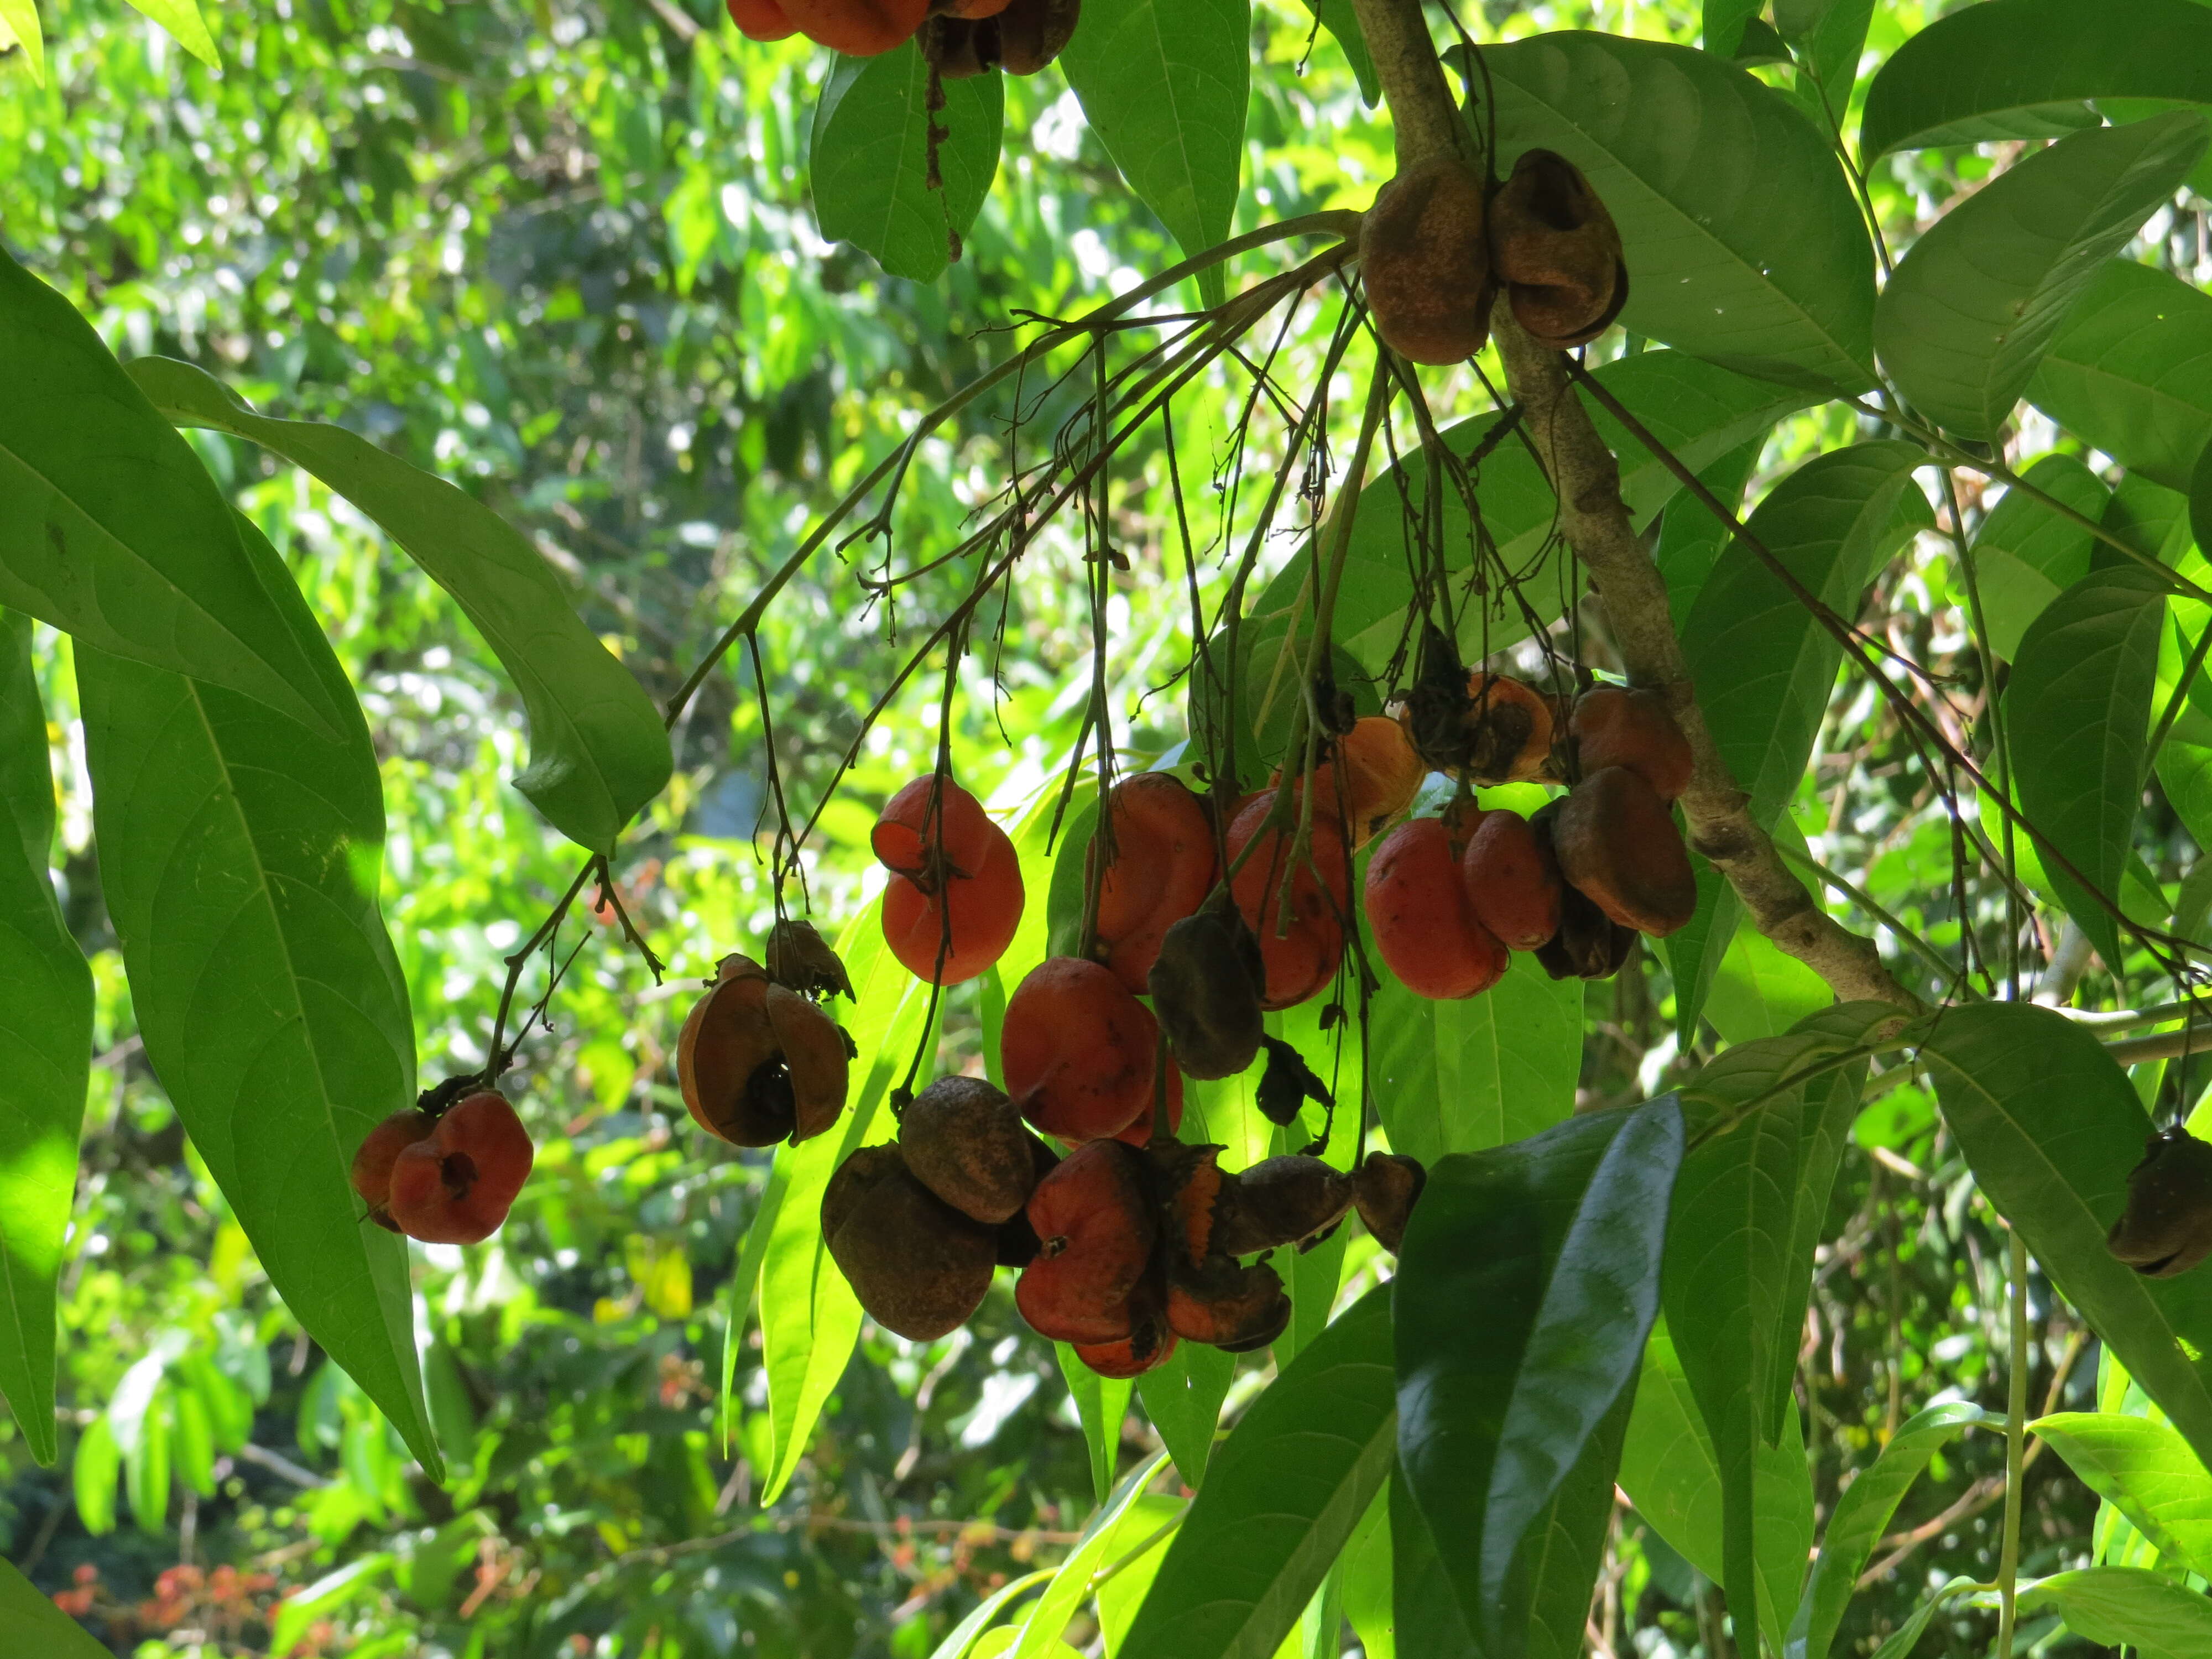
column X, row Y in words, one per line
column 959, row 38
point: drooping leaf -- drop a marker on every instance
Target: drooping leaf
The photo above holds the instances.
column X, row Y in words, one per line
column 46, row 1026
column 1558, row 1239
column 1861, row 1516
column 1907, row 1637
column 963, row 1636
column 598, row 748
column 1342, row 23
column 2146, row 1612
column 1070, row 1586
column 2144, row 1470
column 182, row 19
column 2050, row 1127
column 1102, row 1404
column 2024, row 554
column 1743, row 243
column 870, row 159
column 1163, row 85
column 240, row 852
column 2077, row 709
column 2025, row 69
column 2132, row 370
column 1965, row 320
column 1284, row 1493
column 2143, row 515
column 1723, row 22
column 19, row 26
column 32, row 1619
column 1133, row 1559
column 1759, row 992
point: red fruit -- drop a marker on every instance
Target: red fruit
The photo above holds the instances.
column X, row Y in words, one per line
column 1150, row 1343
column 1512, row 881
column 1234, row 1308
column 1078, row 1051
column 933, row 830
column 1379, row 774
column 456, row 1187
column 1304, row 959
column 861, row 28
column 372, row 1163
column 1162, row 871
column 761, row 20
column 1139, row 1130
column 1095, row 1230
column 1423, row 926
column 1615, row 725
column 985, row 910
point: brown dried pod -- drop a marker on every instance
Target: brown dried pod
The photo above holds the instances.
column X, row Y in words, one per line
column 1094, row 1221
column 799, row 958
column 1234, row 1308
column 1186, row 1185
column 1386, row 1187
column 1425, row 257
column 965, row 1142
column 1031, row 32
column 918, row 1266
column 1623, row 725
column 1281, row 1200
column 729, row 1063
column 1590, row 943
column 1616, row 841
column 1556, row 251
column 1205, row 991
column 2166, row 1227
column 1508, row 730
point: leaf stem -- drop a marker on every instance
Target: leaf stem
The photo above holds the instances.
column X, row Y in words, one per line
column 2015, row 1451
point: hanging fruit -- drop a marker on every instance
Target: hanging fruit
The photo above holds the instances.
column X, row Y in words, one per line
column 975, row 37
column 1556, row 251
column 1298, row 960
column 919, row 1266
column 1386, row 1187
column 963, row 1140
column 1077, row 1052
column 1094, row 1220
column 758, row 1063
column 1616, row 841
column 1425, row 260
column 1370, row 774
column 1162, row 869
column 1622, row 726
column 955, row 896
column 2166, row 1227
column 1205, row 990
column 859, row 28
column 1512, row 883
column 1426, row 929
column 456, row 1185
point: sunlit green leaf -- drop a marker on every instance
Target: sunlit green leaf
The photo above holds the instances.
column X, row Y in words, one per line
column 2146, row 1471
column 1070, row 1586
column 32, row 1618
column 2148, row 1612
column 182, row 19
column 2025, row 553
column 19, row 26
column 2132, row 370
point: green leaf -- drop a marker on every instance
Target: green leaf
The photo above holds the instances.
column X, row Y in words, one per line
column 598, row 748
column 182, row 19
column 2131, row 371
column 1762, row 666
column 112, row 531
column 1759, row 992
column 2078, row 709
column 2147, row 516
column 1102, row 1404
column 1368, row 1579
column 2050, row 1127
column 2144, row 1470
column 19, row 26
column 961, row 1637
column 1722, row 24
column 1133, row 1556
column 1829, row 36
column 869, row 161
column 31, row 1616
column 1862, row 1515
column 1285, row 1492
column 241, row 854
column 297, row 1614
column 93, row 1473
column 1557, row 1239
column 46, row 1026
column 2024, row 554
column 1743, row 243
column 1183, row 1399
column 2023, row 69
column 1424, row 1606
column 1342, row 22
column 2145, row 1611
column 1070, row 1586
column 1692, row 538
column 1908, row 1634
column 1967, row 317
column 1163, row 85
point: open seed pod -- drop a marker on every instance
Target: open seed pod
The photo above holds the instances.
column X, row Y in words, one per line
column 1508, row 730
column 1555, row 249
column 918, row 1266
column 1186, row 1185
column 1149, row 1344
column 729, row 1064
column 1281, row 1200
column 1205, row 990
column 2166, row 1227
column 1386, row 1187
column 799, row 958
column 1616, row 841
column 1425, row 257
column 965, row 1141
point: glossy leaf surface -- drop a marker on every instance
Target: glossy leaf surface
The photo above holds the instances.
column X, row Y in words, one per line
column 2131, row 371
column 2146, row 1471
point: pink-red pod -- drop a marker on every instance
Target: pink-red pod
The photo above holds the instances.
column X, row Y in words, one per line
column 1423, row 924
column 1077, row 1052
column 933, row 831
column 761, row 20
column 970, row 922
column 1512, row 879
column 1093, row 1218
column 1300, row 960
column 1162, row 869
column 456, row 1187
column 859, row 28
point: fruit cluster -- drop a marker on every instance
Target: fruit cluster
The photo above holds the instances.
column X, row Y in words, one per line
column 959, row 38
column 445, row 1176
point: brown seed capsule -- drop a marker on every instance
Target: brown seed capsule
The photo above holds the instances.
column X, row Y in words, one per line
column 1621, row 725
column 1555, row 249
column 1386, row 1187
column 1616, row 841
column 1425, row 257
column 1031, row 32
column 1508, row 730
column 799, row 958
column 1590, row 943
column 1234, row 1308
column 1281, row 1200
column 2166, row 1227
column 965, row 1141
column 1205, row 990
column 731, row 1064
column 918, row 1266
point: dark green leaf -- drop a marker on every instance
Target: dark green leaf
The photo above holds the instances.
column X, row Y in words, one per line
column 2132, row 370
column 1557, row 1239
column 2024, row 69
column 2144, row 1470
column 869, row 163
column 598, row 748
column 2145, row 516
column 1743, row 243
column 2078, row 709
column 239, row 853
column 1965, row 320
column 2145, row 1611
column 1183, row 1399
column 1368, row 1579
column 46, row 1023
column 1691, row 535
column 1829, row 36
column 32, row 1618
column 2025, row 553
column 1724, row 24
column 1284, row 1493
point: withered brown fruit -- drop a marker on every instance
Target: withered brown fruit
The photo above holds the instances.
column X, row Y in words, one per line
column 1511, row 880
column 1590, row 943
column 1095, row 1226
column 1230, row 1307
column 799, row 958
column 1186, row 1185
column 1555, row 250
column 2166, row 1227
column 1508, row 730
column 1205, row 990
column 1281, row 1200
column 1624, row 725
column 1617, row 842
column 1425, row 257
column 918, row 1266
column 965, row 1141
column 456, row 1186
column 1031, row 32
column 758, row 1063
column 1386, row 1187
column 1287, row 1084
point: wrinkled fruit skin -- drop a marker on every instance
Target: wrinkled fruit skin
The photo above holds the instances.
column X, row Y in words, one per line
column 1235, row 1309
column 1300, row 963
column 1076, row 1050
column 859, row 28
column 1512, row 881
column 969, row 9
column 1279, row 1201
column 973, row 37
column 918, row 1266
column 1096, row 1230
column 799, row 958
column 1032, row 33
column 1425, row 257
column 758, row 1063
column 1508, row 730
column 1163, row 868
column 971, row 921
column 1617, row 726
column 371, row 1163
column 1423, row 926
column 457, row 1187
column 1205, row 991
column 761, row 20
column 963, row 1140
column 2166, row 1227
column 1617, row 842
column 1554, row 248
column 1386, row 1187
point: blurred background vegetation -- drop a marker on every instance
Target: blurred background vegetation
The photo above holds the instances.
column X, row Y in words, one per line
column 565, row 253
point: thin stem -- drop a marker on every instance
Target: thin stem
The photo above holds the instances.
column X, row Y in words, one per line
column 2015, row 1452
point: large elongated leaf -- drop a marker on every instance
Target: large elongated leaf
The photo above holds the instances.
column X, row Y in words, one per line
column 19, row 26
column 1101, row 1403
column 2146, row 1612
column 598, row 748
column 2025, row 553
column 1967, row 317
column 46, row 1023
column 241, row 853
column 870, row 160
column 1164, row 84
column 32, row 1618
column 2051, row 1127
column 2131, row 371
column 111, row 529
column 2146, row 1472
column 2078, row 707
column 1284, row 1493
column 1183, row 1399
column 1557, row 1239
column 1742, row 241
column 2024, row 69
column 1070, row 1586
